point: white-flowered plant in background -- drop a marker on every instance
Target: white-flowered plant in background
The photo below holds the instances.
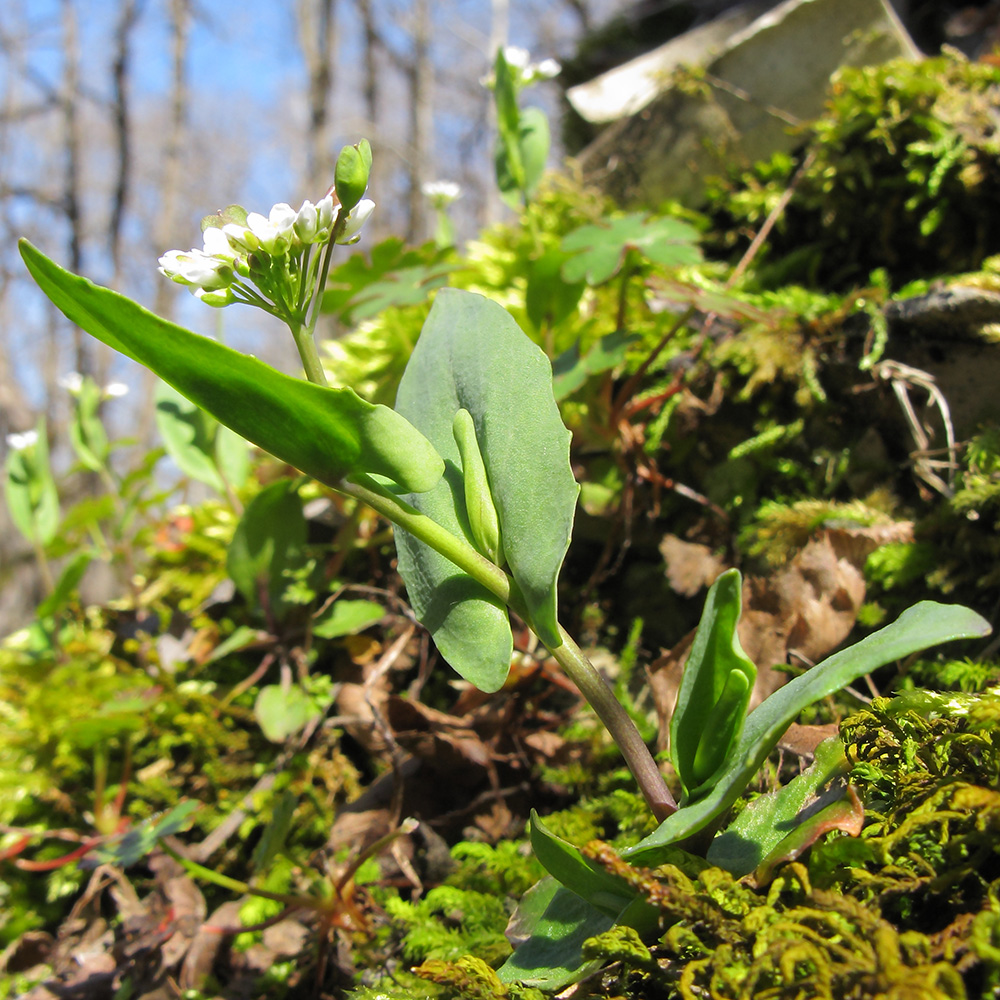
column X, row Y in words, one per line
column 73, row 383
column 279, row 262
column 22, row 442
column 523, row 139
column 523, row 72
column 441, row 194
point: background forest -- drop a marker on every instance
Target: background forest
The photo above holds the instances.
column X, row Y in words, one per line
column 232, row 760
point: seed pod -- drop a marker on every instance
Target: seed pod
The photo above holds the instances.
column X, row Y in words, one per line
column 483, row 519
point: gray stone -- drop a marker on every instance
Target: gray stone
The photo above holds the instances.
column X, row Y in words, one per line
column 767, row 69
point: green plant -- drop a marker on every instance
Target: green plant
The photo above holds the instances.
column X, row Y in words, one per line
column 523, row 133
column 472, row 467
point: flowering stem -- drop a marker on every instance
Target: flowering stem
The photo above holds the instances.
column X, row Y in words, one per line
column 568, row 654
column 308, row 353
column 321, row 283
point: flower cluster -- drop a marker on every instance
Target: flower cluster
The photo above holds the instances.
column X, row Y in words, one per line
column 21, row 442
column 523, row 71
column 273, row 252
column 441, row 193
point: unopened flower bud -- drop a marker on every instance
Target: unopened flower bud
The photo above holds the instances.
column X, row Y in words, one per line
column 351, row 173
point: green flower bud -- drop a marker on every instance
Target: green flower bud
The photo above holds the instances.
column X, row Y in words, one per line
column 483, row 519
column 351, row 174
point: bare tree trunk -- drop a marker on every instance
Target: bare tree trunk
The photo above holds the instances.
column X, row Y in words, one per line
column 165, row 227
column 15, row 413
column 499, row 32
column 372, row 94
column 316, row 31
column 72, row 150
column 127, row 16
column 422, row 120
column 582, row 12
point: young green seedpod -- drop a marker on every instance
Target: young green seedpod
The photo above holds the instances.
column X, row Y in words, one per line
column 714, row 692
column 350, row 176
column 722, row 727
column 483, row 519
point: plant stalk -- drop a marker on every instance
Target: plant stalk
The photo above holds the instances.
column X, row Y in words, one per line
column 307, row 352
column 568, row 654
column 610, row 711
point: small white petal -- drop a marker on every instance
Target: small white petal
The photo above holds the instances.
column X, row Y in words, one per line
column 326, row 212
column 265, row 232
column 357, row 218
column 547, row 69
column 282, row 217
column 21, row 441
column 217, row 244
column 115, row 389
column 442, row 192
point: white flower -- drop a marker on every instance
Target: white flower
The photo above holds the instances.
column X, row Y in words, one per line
column 357, row 218
column 327, row 210
column 516, row 57
column 114, row 389
column 312, row 222
column 307, row 222
column 265, row 231
column 522, row 70
column 72, row 382
column 196, row 269
column 21, row 441
column 547, row 69
column 441, row 193
column 282, row 217
column 217, row 245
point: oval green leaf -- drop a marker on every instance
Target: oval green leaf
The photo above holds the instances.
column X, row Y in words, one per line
column 472, row 355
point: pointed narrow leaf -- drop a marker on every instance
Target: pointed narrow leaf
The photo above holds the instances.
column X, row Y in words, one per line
column 30, row 490
column 132, row 846
column 347, row 618
column 472, row 355
column 534, row 141
column 565, row 863
column 925, row 624
column 327, row 433
column 67, row 585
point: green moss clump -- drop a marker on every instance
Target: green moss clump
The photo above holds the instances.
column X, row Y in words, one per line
column 900, row 172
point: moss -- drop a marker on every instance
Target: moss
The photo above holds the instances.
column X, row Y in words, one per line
column 901, row 174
